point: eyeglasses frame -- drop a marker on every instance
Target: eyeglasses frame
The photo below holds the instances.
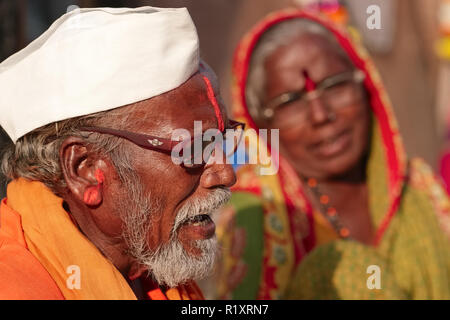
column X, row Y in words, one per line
column 357, row 76
column 151, row 142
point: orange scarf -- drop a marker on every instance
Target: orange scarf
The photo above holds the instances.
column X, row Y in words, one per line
column 56, row 242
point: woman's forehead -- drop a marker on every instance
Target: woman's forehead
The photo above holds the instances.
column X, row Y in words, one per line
column 312, row 53
column 308, row 48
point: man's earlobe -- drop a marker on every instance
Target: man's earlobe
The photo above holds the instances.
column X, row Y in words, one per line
column 93, row 194
column 83, row 177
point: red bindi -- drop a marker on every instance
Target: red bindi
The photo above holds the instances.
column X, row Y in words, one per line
column 310, row 85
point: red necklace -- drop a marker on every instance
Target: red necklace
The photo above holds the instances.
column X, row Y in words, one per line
column 327, row 210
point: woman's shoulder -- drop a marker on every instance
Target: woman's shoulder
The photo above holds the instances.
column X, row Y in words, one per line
column 424, row 179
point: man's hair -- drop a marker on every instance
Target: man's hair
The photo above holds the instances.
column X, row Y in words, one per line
column 275, row 37
column 35, row 156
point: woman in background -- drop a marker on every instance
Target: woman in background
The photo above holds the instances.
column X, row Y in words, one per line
column 347, row 216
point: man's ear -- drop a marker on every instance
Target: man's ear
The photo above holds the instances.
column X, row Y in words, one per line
column 83, row 171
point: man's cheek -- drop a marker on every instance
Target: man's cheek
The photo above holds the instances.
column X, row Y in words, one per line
column 111, row 225
column 155, row 236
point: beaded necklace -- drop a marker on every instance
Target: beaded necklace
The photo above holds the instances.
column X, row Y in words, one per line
column 327, row 210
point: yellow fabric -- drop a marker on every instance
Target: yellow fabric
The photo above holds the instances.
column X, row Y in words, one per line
column 339, row 270
column 172, row 294
column 56, row 242
column 323, row 230
column 29, row 282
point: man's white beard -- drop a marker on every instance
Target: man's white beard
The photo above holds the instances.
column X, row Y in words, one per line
column 170, row 264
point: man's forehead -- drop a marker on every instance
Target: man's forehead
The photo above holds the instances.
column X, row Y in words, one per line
column 196, row 100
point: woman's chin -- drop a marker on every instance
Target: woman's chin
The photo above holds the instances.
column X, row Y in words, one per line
column 324, row 169
column 342, row 167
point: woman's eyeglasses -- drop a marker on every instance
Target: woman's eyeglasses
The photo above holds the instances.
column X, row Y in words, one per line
column 336, row 92
column 193, row 158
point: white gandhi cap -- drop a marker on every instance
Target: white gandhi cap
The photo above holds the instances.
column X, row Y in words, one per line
column 93, row 60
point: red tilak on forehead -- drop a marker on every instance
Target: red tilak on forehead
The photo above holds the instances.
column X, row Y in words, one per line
column 310, row 85
column 212, row 98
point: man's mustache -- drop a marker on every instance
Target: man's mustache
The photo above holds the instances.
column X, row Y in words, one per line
column 202, row 206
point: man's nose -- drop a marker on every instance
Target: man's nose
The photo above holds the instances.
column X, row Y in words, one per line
column 218, row 174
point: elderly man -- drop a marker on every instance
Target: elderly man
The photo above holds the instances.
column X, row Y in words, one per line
column 97, row 207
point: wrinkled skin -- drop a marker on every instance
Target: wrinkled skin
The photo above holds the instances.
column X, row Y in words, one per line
column 172, row 184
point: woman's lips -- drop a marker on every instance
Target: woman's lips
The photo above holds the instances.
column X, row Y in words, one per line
column 333, row 145
column 199, row 228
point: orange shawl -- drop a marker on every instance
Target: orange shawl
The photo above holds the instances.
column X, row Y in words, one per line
column 41, row 233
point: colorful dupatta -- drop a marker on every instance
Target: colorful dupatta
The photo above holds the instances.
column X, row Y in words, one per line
column 270, row 231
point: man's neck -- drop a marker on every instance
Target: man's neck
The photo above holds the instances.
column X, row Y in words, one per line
column 113, row 248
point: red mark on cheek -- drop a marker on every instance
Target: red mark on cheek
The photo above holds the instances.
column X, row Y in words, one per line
column 212, row 98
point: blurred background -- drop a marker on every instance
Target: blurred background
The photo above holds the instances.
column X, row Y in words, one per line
column 411, row 50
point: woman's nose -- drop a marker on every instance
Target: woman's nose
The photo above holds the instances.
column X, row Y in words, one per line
column 319, row 113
